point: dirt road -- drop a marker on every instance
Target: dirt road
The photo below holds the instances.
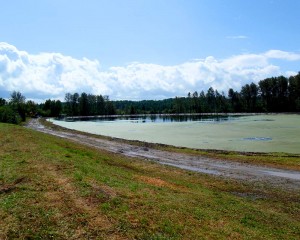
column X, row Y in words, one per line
column 263, row 175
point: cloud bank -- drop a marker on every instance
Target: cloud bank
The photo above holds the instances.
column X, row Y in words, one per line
column 51, row 75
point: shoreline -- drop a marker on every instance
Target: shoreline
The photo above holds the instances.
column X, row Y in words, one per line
column 174, row 115
column 224, row 168
column 241, row 133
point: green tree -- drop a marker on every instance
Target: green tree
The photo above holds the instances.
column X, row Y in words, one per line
column 274, row 93
column 58, row 108
column 2, row 102
column 132, row 110
column 92, row 102
column 31, row 108
column 110, row 107
column 196, row 103
column 52, row 108
column 294, row 92
column 281, row 94
column 17, row 98
column 179, row 105
column 190, row 102
column 68, row 104
column 254, row 97
column 75, row 104
column 8, row 115
column 235, row 101
column 221, row 102
column 17, row 102
column 211, row 100
column 266, row 93
column 83, row 104
column 203, row 102
column 246, row 98
column 100, row 105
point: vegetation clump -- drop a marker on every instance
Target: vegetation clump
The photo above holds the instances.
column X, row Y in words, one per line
column 13, row 111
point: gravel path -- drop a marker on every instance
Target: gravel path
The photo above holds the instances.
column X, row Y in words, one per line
column 286, row 179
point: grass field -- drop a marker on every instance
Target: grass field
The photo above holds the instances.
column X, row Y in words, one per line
column 51, row 188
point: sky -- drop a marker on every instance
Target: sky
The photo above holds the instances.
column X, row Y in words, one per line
column 144, row 49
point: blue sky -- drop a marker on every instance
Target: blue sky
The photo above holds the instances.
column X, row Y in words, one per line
column 144, row 49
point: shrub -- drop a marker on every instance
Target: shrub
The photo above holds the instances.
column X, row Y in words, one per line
column 8, row 115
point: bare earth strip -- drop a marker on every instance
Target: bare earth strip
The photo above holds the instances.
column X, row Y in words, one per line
column 286, row 179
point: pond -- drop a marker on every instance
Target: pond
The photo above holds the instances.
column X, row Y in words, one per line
column 253, row 133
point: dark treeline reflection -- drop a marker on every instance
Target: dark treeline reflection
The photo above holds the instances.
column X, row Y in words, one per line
column 158, row 118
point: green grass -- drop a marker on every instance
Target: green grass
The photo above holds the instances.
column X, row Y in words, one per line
column 56, row 189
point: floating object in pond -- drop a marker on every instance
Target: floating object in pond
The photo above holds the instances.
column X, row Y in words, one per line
column 257, row 139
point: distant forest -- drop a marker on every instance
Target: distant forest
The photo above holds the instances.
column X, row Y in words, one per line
column 276, row 94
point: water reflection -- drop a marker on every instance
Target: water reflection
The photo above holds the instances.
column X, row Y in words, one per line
column 155, row 118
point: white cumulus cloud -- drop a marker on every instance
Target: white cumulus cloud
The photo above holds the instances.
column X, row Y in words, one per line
column 51, row 75
column 277, row 54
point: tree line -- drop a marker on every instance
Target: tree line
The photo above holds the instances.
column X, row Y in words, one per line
column 16, row 109
column 275, row 94
column 88, row 105
column 77, row 105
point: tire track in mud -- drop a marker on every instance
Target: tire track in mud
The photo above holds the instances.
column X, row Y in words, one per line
column 286, row 179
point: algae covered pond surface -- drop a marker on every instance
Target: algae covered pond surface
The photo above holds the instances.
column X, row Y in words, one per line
column 255, row 133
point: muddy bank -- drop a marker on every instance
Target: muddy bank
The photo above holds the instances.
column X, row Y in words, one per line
column 227, row 169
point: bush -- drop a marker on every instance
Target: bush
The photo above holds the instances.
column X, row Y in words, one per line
column 8, row 115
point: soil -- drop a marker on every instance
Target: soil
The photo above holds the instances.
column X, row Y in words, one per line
column 279, row 178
